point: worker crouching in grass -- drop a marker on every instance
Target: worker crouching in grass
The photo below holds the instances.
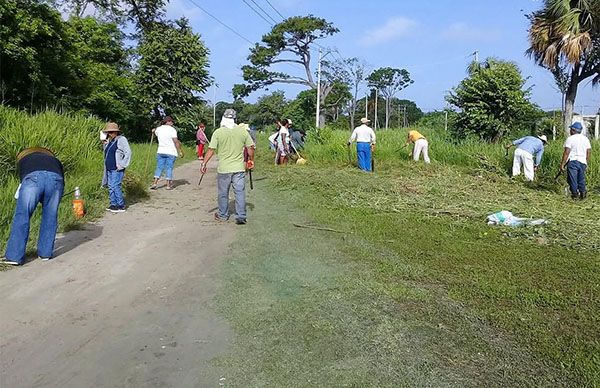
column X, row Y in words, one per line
column 365, row 139
column 117, row 156
column 42, row 181
column 421, row 146
column 229, row 142
column 527, row 148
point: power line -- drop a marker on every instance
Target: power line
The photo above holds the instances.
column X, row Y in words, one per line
column 265, row 12
column 275, row 9
column 256, row 12
column 220, row 22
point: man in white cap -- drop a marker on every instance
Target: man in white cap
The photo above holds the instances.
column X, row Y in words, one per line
column 576, row 157
column 365, row 144
column 229, row 142
column 527, row 147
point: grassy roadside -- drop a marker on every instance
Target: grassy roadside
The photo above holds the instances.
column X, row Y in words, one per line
column 418, row 291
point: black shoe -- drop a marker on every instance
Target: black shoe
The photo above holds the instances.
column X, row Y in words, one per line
column 43, row 258
column 117, row 209
column 583, row 195
column 112, row 208
column 109, row 208
column 575, row 196
column 240, row 221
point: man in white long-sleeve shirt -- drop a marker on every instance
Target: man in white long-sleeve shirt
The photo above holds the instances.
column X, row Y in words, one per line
column 365, row 144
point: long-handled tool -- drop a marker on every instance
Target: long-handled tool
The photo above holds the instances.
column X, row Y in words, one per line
column 201, row 177
column 558, row 174
column 300, row 159
column 251, row 182
column 349, row 154
column 372, row 162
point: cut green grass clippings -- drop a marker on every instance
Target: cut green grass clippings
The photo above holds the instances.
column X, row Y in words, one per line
column 316, row 308
column 484, row 305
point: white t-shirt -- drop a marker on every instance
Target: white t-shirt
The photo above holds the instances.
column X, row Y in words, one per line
column 283, row 130
column 363, row 134
column 579, row 144
column 165, row 135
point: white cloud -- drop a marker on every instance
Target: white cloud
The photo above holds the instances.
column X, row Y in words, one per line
column 462, row 32
column 394, row 28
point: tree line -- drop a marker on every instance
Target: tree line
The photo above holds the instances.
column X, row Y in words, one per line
column 132, row 65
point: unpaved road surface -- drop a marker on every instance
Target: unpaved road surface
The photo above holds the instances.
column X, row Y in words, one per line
column 127, row 302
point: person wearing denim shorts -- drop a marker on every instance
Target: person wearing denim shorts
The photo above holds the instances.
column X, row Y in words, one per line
column 169, row 147
column 229, row 142
column 42, row 181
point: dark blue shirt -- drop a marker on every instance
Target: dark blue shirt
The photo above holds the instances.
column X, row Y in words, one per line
column 110, row 158
column 39, row 161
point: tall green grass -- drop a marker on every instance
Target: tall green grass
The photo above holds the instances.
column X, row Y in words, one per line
column 328, row 147
column 74, row 139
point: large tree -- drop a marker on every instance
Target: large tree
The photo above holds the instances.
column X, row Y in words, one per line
column 492, row 101
column 172, row 69
column 143, row 13
column 289, row 42
column 564, row 37
column 33, row 48
column 389, row 82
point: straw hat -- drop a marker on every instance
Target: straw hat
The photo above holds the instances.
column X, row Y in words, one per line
column 543, row 138
column 365, row 120
column 112, row 127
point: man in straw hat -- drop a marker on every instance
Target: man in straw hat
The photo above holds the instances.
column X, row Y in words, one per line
column 576, row 157
column 365, row 144
column 42, row 181
column 229, row 142
column 117, row 156
column 527, row 148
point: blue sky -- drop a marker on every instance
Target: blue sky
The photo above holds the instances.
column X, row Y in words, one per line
column 431, row 39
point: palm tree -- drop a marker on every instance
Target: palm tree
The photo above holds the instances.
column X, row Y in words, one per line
column 564, row 37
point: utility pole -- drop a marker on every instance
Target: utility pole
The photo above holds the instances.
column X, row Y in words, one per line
column 476, row 56
column 376, row 93
column 318, row 90
column 366, row 106
column 446, row 120
column 215, row 86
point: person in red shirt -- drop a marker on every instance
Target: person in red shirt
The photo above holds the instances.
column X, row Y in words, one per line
column 201, row 141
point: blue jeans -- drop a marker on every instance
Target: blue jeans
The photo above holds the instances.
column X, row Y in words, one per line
column 37, row 187
column 164, row 162
column 224, row 182
column 115, row 193
column 576, row 177
column 363, row 151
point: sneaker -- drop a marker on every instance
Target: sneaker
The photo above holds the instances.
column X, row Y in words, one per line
column 153, row 187
column 240, row 221
column 583, row 195
column 117, row 209
column 44, row 258
column 217, row 218
column 11, row 262
column 109, row 208
column 112, row 208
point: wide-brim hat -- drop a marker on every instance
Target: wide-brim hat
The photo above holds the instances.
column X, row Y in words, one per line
column 229, row 113
column 112, row 127
column 543, row 138
column 365, row 120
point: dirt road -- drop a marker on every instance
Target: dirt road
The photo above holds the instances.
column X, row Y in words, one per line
column 127, row 302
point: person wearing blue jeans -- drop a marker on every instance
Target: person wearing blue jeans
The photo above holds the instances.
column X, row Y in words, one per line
column 576, row 157
column 117, row 156
column 230, row 142
column 237, row 180
column 365, row 138
column 42, row 181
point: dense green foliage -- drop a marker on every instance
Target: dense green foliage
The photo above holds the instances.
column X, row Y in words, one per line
column 83, row 64
column 492, row 102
